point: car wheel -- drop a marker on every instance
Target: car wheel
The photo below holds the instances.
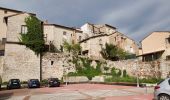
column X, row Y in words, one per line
column 164, row 97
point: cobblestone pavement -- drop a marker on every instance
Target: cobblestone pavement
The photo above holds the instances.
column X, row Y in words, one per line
column 80, row 92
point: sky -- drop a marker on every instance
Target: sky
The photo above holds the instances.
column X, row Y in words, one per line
column 134, row 18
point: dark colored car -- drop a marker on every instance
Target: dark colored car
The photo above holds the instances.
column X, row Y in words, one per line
column 33, row 83
column 53, row 82
column 14, row 84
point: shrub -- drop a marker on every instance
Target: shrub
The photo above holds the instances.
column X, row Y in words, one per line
column 114, row 72
column 86, row 69
column 4, row 83
column 44, row 82
column 24, row 82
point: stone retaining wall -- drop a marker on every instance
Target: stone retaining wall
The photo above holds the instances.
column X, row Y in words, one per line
column 143, row 69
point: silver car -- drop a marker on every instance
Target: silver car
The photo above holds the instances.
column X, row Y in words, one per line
column 162, row 90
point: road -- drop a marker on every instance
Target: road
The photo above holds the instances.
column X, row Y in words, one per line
column 80, row 92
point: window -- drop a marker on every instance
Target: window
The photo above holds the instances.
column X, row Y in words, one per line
column 100, row 42
column 3, row 40
column 64, row 33
column 24, row 29
column 52, row 62
column 79, row 38
column 5, row 12
column 115, row 39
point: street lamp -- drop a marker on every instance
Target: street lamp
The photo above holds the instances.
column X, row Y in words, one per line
column 137, row 70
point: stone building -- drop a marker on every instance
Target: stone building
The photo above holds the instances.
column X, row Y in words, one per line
column 156, row 46
column 3, row 13
column 57, row 34
column 96, row 36
column 19, row 61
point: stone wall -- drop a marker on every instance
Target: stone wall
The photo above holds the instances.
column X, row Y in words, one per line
column 20, row 62
column 1, row 64
column 143, row 69
column 55, row 65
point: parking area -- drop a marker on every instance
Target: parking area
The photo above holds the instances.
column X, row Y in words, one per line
column 80, row 92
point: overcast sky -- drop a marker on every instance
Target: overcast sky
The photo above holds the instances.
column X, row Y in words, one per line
column 134, row 18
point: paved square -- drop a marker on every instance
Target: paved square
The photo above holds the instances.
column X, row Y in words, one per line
column 80, row 92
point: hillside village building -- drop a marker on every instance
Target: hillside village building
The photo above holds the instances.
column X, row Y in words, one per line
column 19, row 61
column 96, row 36
column 3, row 13
column 156, row 46
column 57, row 34
column 22, row 63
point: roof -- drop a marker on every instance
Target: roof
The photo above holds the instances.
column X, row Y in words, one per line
column 127, row 36
column 152, row 33
column 152, row 52
column 110, row 26
column 96, row 37
column 13, row 10
column 101, row 24
column 19, row 14
column 66, row 27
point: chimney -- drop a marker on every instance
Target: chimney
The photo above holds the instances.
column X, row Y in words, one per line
column 46, row 22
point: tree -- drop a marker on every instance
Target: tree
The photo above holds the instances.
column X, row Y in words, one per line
column 34, row 38
column 72, row 48
column 112, row 52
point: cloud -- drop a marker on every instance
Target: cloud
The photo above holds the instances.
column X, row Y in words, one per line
column 135, row 18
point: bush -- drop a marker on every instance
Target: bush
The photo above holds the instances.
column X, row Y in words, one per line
column 132, row 79
column 24, row 82
column 4, row 83
column 150, row 80
column 114, row 72
column 86, row 69
column 121, row 79
column 44, row 82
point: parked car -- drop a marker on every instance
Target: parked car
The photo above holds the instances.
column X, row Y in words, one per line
column 14, row 84
column 53, row 82
column 162, row 90
column 33, row 83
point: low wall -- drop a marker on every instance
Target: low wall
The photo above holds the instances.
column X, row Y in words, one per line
column 142, row 69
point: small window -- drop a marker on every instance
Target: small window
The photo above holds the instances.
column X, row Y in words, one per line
column 3, row 40
column 167, row 57
column 64, row 33
column 79, row 38
column 168, row 40
column 5, row 12
column 24, row 29
column 115, row 39
column 52, row 62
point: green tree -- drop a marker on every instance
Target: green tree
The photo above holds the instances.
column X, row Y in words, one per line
column 75, row 49
column 112, row 52
column 34, row 38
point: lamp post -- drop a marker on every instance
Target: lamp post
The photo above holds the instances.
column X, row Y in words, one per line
column 137, row 70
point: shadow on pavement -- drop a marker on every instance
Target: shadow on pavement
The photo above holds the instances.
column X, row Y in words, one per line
column 5, row 96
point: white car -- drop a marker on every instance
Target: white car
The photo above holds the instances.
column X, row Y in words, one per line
column 162, row 90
